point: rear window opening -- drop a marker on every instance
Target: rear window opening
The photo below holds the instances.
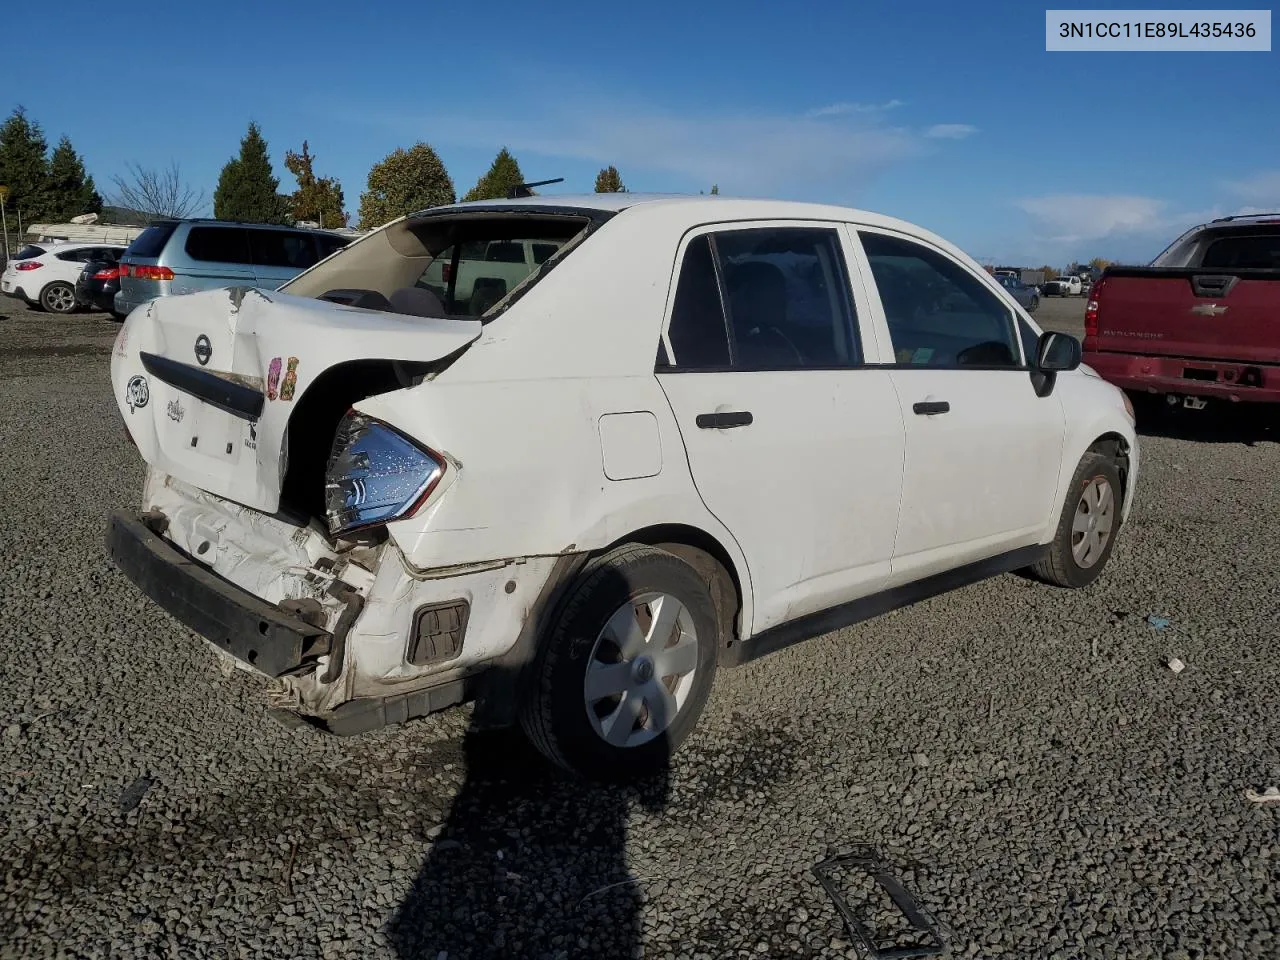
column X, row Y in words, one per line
column 463, row 266
column 150, row 242
column 29, row 251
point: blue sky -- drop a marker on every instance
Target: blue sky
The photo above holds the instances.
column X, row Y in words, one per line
column 952, row 116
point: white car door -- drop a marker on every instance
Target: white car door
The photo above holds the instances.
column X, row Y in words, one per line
column 794, row 444
column 983, row 449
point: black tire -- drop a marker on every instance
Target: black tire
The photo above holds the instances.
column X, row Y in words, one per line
column 59, row 297
column 1060, row 566
column 554, row 710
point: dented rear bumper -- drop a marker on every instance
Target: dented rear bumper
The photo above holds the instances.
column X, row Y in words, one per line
column 255, row 632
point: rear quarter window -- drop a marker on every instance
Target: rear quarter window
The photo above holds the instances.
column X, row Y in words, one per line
column 150, row 242
column 29, row 251
column 219, row 245
column 1244, row 253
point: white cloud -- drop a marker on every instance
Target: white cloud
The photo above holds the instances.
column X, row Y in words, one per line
column 1259, row 190
column 839, row 151
column 1076, row 218
column 843, row 108
column 950, row 131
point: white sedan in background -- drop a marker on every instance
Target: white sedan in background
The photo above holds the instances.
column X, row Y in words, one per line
column 45, row 274
column 703, row 429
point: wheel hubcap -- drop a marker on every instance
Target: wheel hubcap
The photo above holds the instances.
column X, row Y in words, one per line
column 641, row 670
column 60, row 299
column 1091, row 527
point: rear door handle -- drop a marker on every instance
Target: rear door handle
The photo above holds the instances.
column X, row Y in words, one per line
column 724, row 421
column 931, row 408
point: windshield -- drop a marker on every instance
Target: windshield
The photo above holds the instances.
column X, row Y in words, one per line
column 462, row 266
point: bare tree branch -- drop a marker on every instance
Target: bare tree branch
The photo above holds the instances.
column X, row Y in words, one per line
column 157, row 193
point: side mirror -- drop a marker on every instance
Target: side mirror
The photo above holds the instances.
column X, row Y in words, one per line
column 1057, row 352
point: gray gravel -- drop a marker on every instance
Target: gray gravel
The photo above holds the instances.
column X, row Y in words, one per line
column 1024, row 755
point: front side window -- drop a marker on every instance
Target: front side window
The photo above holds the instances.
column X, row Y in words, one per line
column 774, row 298
column 938, row 313
column 219, row 245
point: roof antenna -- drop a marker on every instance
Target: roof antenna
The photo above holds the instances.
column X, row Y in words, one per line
column 526, row 189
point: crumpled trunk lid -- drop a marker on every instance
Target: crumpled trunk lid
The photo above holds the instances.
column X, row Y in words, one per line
column 207, row 382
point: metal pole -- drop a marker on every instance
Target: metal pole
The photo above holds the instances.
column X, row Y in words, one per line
column 4, row 225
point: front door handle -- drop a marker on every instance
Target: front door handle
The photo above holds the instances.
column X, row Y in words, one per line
column 724, row 421
column 931, row 408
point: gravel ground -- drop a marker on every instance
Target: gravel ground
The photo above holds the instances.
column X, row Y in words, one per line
column 1022, row 755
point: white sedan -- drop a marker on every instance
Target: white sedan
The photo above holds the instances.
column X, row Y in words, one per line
column 703, row 430
column 46, row 274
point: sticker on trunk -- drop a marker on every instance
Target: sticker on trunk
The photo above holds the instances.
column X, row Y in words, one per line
column 176, row 411
column 251, row 441
column 137, row 393
column 282, row 388
column 273, row 378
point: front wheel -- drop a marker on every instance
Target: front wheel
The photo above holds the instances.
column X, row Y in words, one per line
column 627, row 667
column 1087, row 527
column 58, row 297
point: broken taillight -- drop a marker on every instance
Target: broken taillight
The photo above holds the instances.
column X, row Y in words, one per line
column 376, row 475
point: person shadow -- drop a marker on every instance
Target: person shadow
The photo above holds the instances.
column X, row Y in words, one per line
column 531, row 860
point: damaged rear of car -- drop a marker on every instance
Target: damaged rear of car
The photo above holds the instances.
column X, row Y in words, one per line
column 294, row 464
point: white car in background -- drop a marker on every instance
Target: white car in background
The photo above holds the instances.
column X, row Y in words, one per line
column 1063, row 286
column 45, row 274
column 700, row 431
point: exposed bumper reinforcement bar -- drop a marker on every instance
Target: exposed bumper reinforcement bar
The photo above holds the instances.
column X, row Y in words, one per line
column 250, row 629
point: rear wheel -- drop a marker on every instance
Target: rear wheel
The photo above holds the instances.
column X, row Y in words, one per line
column 58, row 297
column 1087, row 527
column 627, row 667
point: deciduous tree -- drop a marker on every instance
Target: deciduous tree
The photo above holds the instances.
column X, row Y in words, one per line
column 155, row 193
column 403, row 182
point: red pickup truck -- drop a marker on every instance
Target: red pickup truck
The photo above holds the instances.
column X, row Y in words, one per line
column 1201, row 322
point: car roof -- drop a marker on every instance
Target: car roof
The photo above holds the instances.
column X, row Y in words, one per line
column 695, row 206
column 214, row 222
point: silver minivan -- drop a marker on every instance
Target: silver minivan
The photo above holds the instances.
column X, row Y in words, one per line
column 185, row 256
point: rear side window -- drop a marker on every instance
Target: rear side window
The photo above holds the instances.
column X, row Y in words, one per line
column 1244, row 253
column 281, row 248
column 773, row 298
column 83, row 255
column 219, row 245
column 29, row 251
column 150, row 242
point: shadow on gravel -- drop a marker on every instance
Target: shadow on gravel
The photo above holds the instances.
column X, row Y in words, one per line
column 1245, row 423
column 530, row 863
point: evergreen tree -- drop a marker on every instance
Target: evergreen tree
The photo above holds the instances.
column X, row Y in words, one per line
column 608, row 181
column 318, row 199
column 247, row 189
column 404, row 182
column 504, row 175
column 24, row 167
column 70, row 191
